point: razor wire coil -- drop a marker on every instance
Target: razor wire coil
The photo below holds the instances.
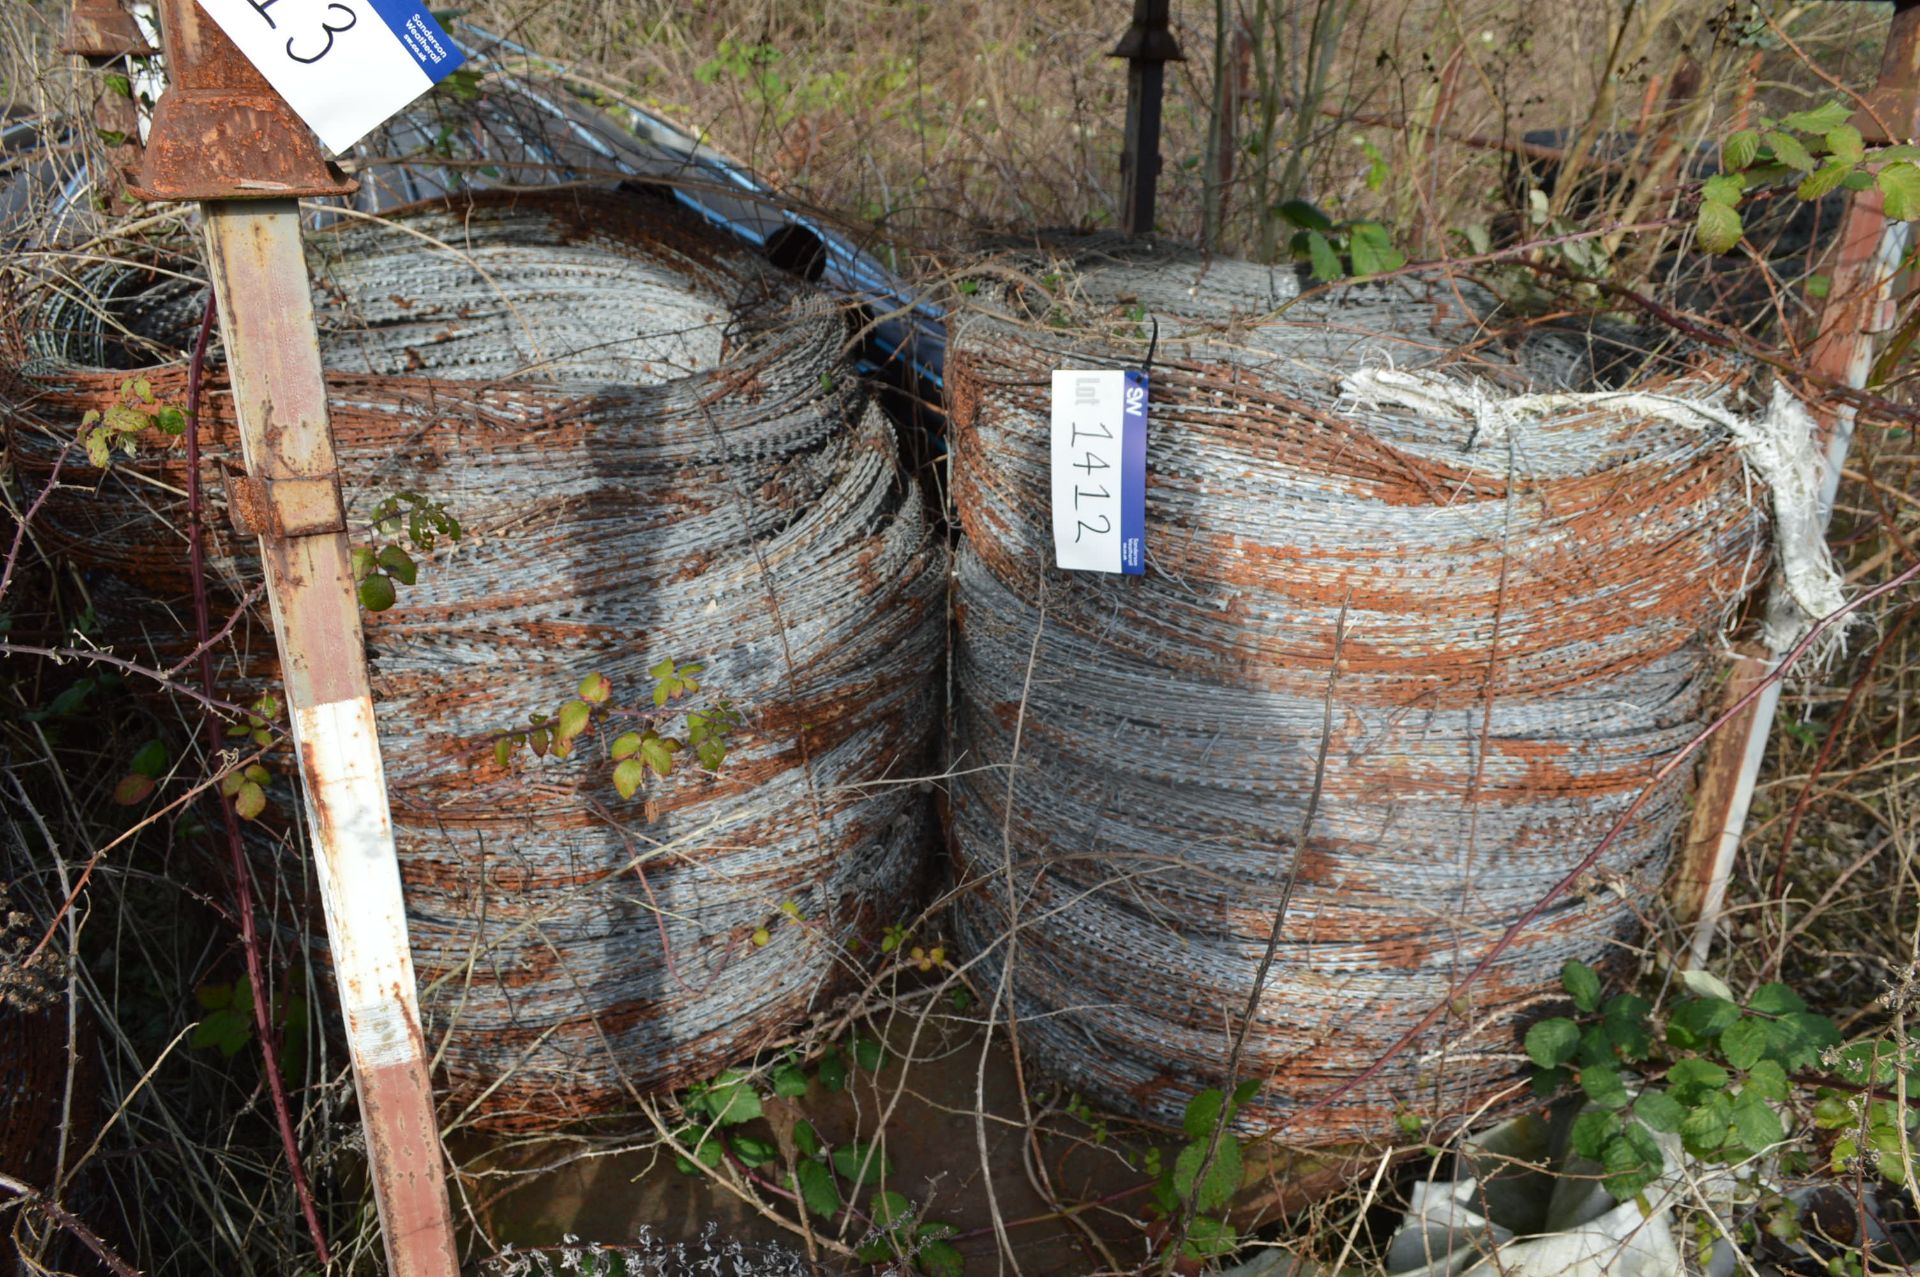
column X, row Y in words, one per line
column 1525, row 628
column 657, row 452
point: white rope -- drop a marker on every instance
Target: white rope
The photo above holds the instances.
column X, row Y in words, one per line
column 1776, row 444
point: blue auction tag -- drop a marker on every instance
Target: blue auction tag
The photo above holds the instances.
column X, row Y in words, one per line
column 1100, row 470
column 344, row 66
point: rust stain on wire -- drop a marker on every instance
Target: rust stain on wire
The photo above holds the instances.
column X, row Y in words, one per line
column 1530, row 628
column 658, row 452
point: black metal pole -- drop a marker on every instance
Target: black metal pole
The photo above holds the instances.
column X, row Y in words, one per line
column 1147, row 46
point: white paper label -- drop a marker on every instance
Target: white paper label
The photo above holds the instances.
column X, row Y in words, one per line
column 344, row 66
column 1100, row 470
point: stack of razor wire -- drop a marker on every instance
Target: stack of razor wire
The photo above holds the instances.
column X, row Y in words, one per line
column 656, row 452
column 1388, row 676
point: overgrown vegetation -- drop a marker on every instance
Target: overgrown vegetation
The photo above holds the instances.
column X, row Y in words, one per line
column 1576, row 158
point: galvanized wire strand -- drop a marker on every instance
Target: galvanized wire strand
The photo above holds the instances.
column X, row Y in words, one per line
column 1529, row 629
column 679, row 467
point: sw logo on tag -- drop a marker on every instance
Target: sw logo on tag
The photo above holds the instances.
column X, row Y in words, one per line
column 1100, row 470
column 344, row 66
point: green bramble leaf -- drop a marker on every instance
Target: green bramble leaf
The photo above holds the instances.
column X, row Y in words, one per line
column 806, row 1139
column 1788, row 150
column 1755, row 1124
column 227, row 1030
column 1824, row 118
column 1203, row 1113
column 833, row 1071
column 1582, row 984
column 1740, row 149
column 1553, row 1042
column 1799, row 1038
column 1325, row 262
column 377, row 593
column 594, row 689
column 398, row 564
column 817, row 1189
column 1717, row 227
column 250, row 801
column 1828, row 177
column 1724, row 188
column 1659, row 1110
column 1222, row 1179
column 1373, row 252
column 572, row 720
column 628, row 776
column 1304, row 214
column 151, row 759
column 1633, row 1162
column 1767, row 1080
column 861, row 1163
column 1604, row 1086
column 1900, row 186
column 706, row 1152
column 1209, row 1238
column 124, row 420
column 1775, row 999
column 625, row 745
column 729, row 1099
column 503, row 751
column 752, row 1152
column 1743, row 1043
column 1831, row 1111
column 1697, row 1021
column 1846, row 144
column 170, row 420
column 1627, row 1026
column 1704, row 1130
column 1593, row 1130
column 789, row 1082
column 940, row 1259
column 658, row 752
column 891, row 1210
column 869, row 1054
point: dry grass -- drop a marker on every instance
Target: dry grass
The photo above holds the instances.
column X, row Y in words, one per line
column 935, row 123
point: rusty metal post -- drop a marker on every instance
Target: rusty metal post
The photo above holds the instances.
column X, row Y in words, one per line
column 1866, row 260
column 222, row 137
column 105, row 39
column 1147, row 46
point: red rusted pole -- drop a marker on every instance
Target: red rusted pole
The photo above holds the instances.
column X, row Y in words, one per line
column 104, row 36
column 222, row 137
column 1866, row 260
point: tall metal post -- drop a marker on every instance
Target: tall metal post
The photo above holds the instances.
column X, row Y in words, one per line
column 1147, row 46
column 1866, row 260
column 222, row 136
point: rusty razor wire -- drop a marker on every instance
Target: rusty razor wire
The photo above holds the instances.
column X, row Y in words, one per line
column 1531, row 602
column 657, row 452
